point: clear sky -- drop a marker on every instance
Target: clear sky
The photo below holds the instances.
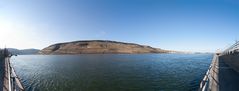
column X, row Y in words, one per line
column 184, row 25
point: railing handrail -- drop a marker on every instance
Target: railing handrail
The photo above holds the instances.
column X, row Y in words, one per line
column 205, row 82
column 14, row 83
column 231, row 49
column 11, row 81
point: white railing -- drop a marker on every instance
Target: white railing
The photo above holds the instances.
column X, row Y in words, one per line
column 205, row 81
column 208, row 78
column 11, row 81
column 14, row 82
column 232, row 49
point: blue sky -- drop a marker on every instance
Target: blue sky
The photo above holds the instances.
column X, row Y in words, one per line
column 184, row 25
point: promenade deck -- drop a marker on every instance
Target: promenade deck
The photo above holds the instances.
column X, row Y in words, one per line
column 220, row 77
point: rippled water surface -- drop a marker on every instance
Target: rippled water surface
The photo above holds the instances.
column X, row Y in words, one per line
column 112, row 72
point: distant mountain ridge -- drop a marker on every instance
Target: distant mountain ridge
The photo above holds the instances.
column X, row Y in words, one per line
column 99, row 47
column 23, row 51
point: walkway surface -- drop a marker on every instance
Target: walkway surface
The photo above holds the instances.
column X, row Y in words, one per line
column 9, row 80
column 6, row 80
column 223, row 77
column 1, row 72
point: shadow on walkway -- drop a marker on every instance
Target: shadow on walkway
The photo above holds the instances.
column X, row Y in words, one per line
column 228, row 78
column 1, row 73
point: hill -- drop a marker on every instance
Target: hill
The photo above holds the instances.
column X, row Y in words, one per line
column 99, row 47
column 23, row 51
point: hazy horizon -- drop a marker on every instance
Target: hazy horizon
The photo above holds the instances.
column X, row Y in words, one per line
column 181, row 25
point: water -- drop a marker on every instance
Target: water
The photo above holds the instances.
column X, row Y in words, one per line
column 112, row 72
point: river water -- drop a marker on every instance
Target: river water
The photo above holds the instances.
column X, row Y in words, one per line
column 112, row 72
